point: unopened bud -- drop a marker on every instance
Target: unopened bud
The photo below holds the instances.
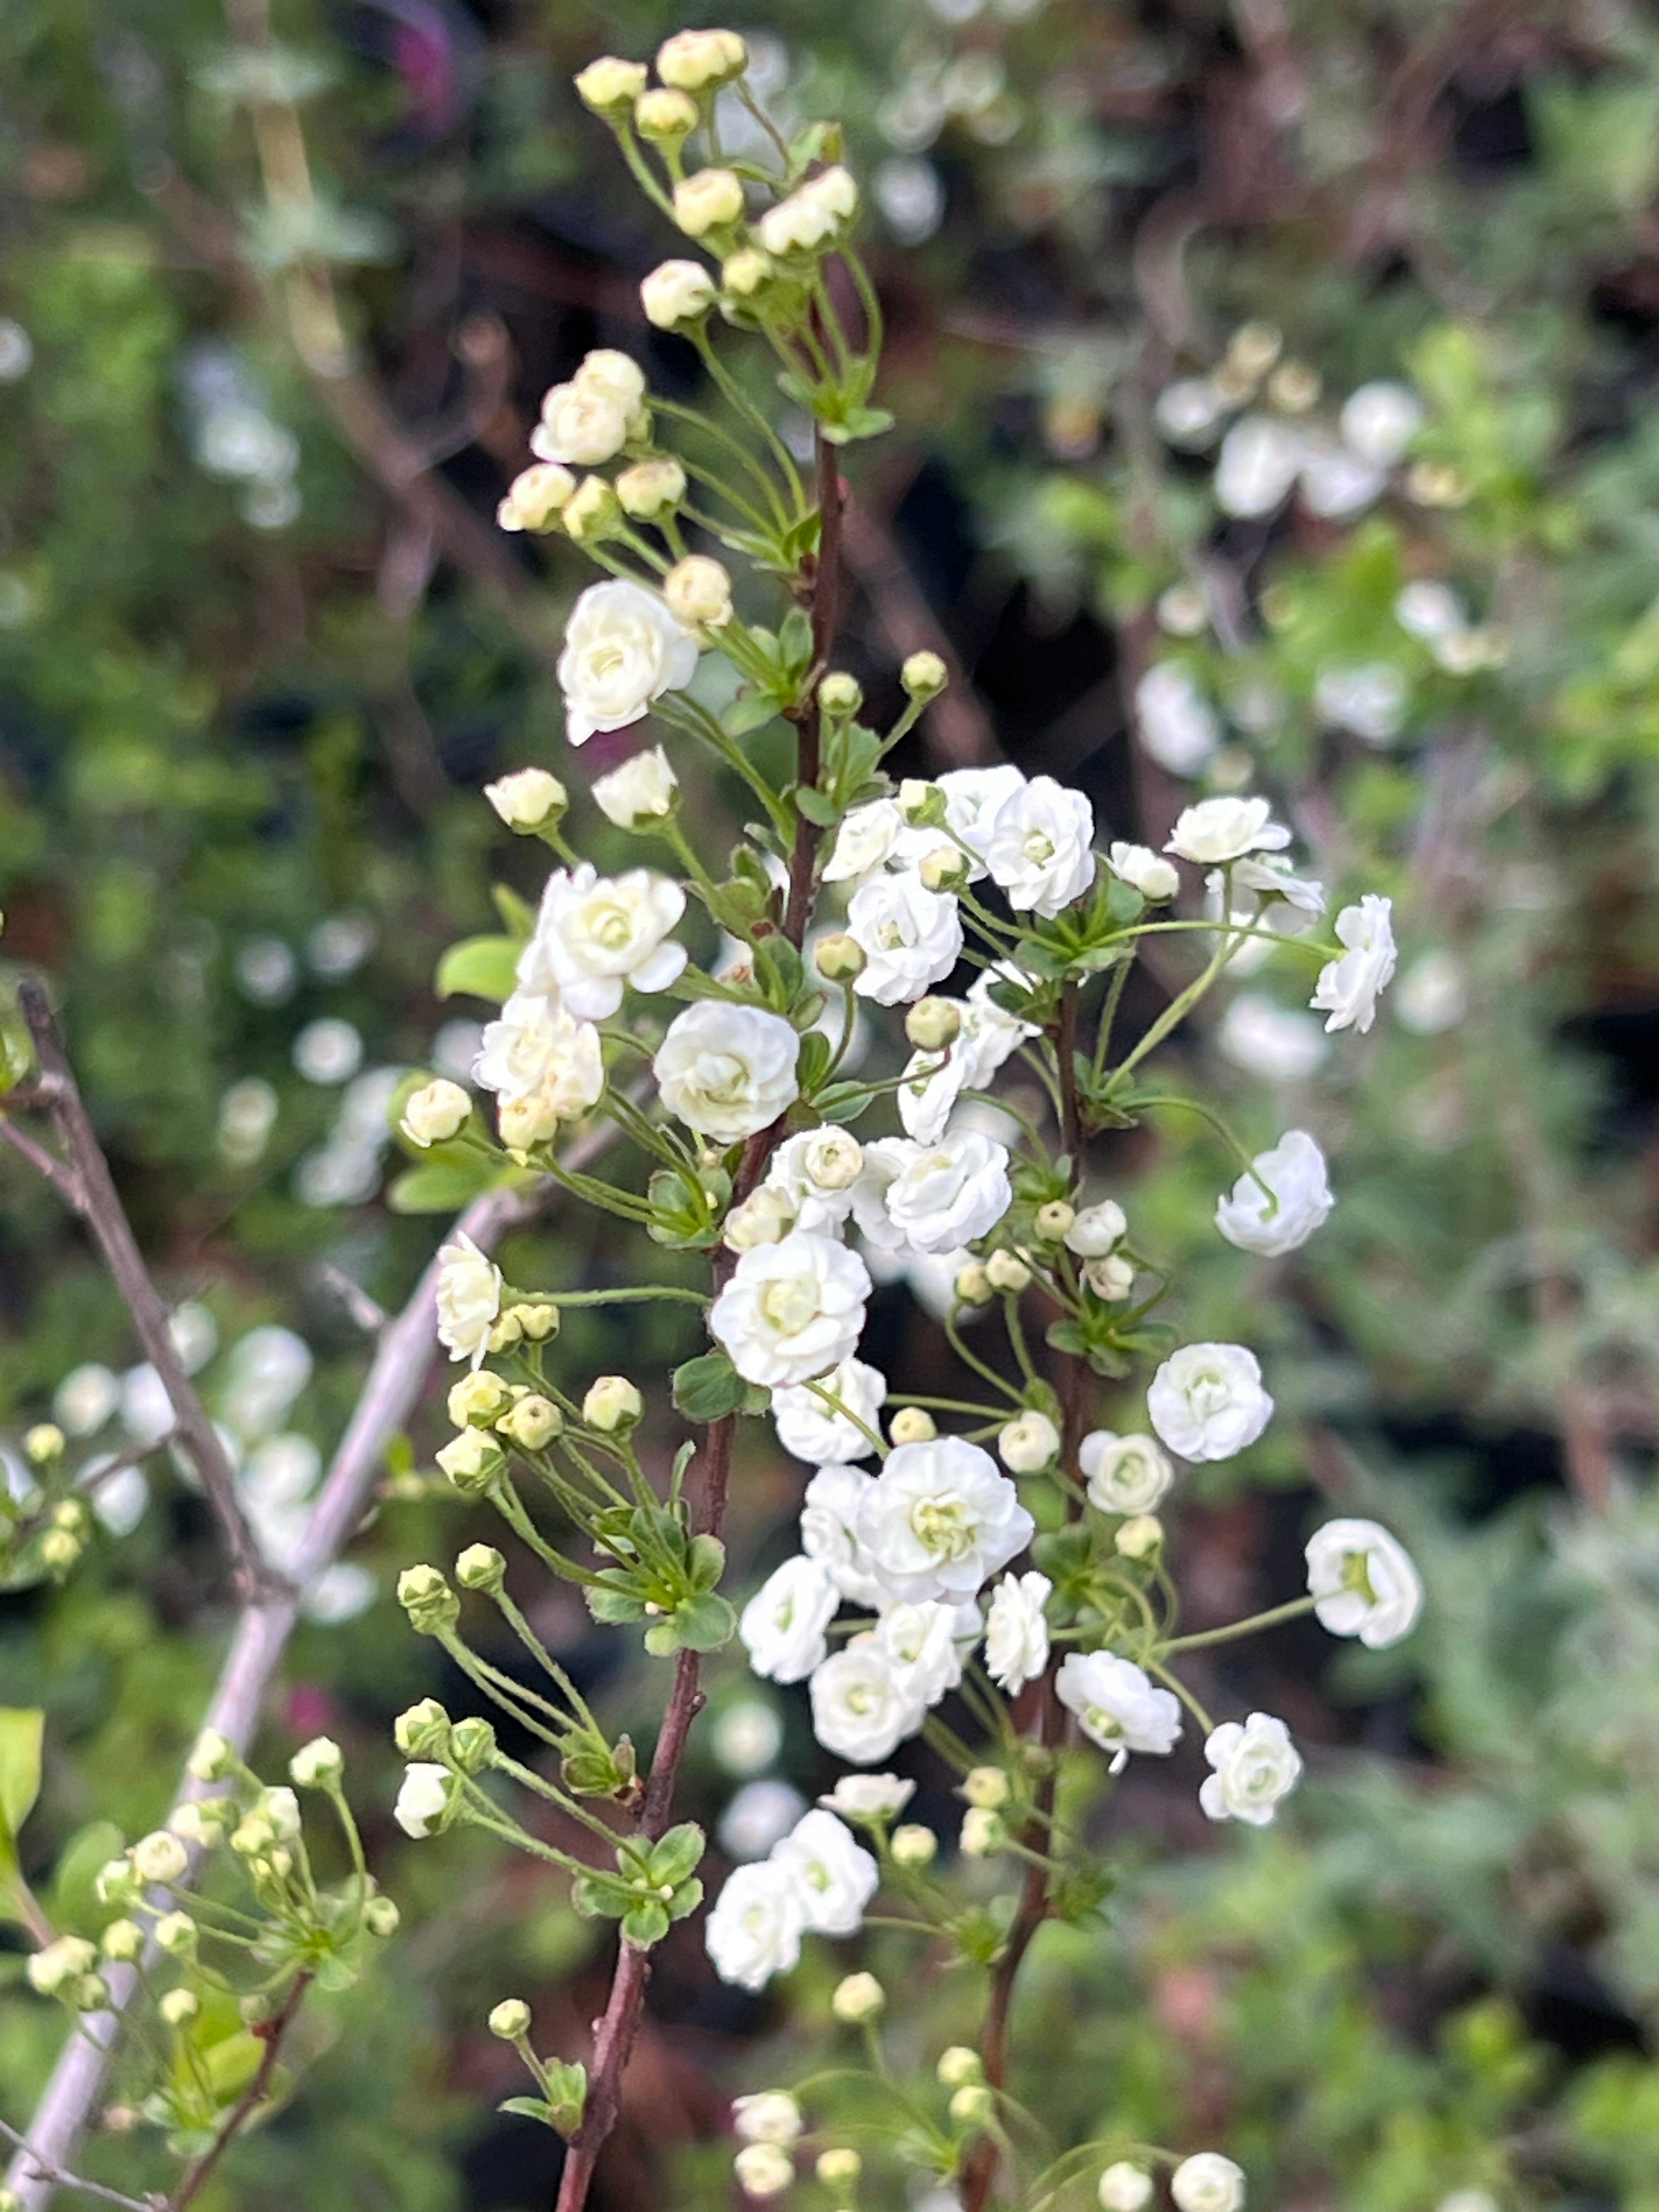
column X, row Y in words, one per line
column 859, row 1998
column 59, row 1550
column 983, row 1833
column 480, row 1567
column 177, row 1934
column 912, row 1424
column 974, row 2106
column 972, row 1285
column 432, row 1607
column 746, row 272
column 839, row 2168
column 1007, row 1272
column 698, row 591
column 381, row 1916
column 509, row 1330
column 945, row 869
column 317, row 1765
column 510, row 2020
column 421, row 1731
column 472, row 1744
column 1125, row 2188
column 912, row 1846
column 538, row 1320
column 123, row 1941
column 609, row 86
column 472, row 1461
column 592, row 511
column 958, row 2066
column 933, row 1023
column 529, row 799
column 987, row 1785
column 839, row 958
column 665, row 116
column 536, row 497
column 435, row 1113
column 158, row 1857
column 531, row 1421
column 1054, row 1220
column 1111, row 1278
column 765, row 1217
column 177, row 2006
column 213, row 1758
column 651, row 488
column 697, row 60
column 763, row 2169
column 711, row 199
column 44, row 1442
column 922, row 802
column 479, row 1396
column 923, row 674
column 840, row 693
column 1097, row 1229
column 1140, row 1535
column 1030, row 1444
column 612, row 1404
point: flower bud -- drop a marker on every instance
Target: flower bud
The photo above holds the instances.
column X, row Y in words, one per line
column 51, row 1970
column 933, row 1023
column 838, row 957
column 912, row 1424
column 983, row 1833
column 832, row 1158
column 612, row 1405
column 473, row 1461
column 839, row 2168
column 252, row 1838
column 59, row 1550
column 958, row 2066
column 536, row 497
column 1140, row 1535
column 432, row 1607
column 859, row 1998
column 1030, row 1444
column 538, row 1319
column 1097, row 1229
column 974, row 2106
column 639, row 793
column 89, row 1994
column 479, row 1396
column 696, row 61
column 1054, row 1220
column 531, row 1421
column 763, row 2169
column 529, row 799
column 1111, row 1278
column 158, row 1857
column 199, row 1823
column 123, row 1941
column 677, row 292
column 698, row 592
column 592, row 511
column 765, row 1217
column 116, row 1883
column 1125, row 2188
column 987, row 1785
column 1006, row 1271
column 972, row 1285
column 177, row 1934
column 912, row 1846
column 213, row 1757
column 922, row 802
column 480, row 1567
column 653, row 488
column 710, row 199
column 945, row 869
column 509, row 1330
column 381, row 1916
column 840, row 694
column 435, row 1113
column 609, row 86
column 923, row 674
column 44, row 1442
column 421, row 1731
column 510, row 2020
column 772, row 2116
column 317, row 1765
column 665, row 116
column 177, row 2006
column 473, row 1743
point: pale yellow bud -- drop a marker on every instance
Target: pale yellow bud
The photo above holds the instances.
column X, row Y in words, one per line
column 920, row 803
column 945, row 869
column 923, row 674
column 912, row 1846
column 972, row 1285
column 840, row 693
column 974, row 2106
column 698, row 592
column 612, row 1403
column 529, row 799
column 665, row 116
column 765, row 1217
column 531, row 1421
column 536, row 497
column 984, row 1831
column 538, row 1318
column 44, row 1442
column 912, row 1424
column 696, row 61
column 59, row 1550
column 1054, row 1219
column 510, row 2020
column 177, row 2006
column 675, row 293
column 745, row 273
column 958, row 2066
column 608, row 86
column 710, row 199
column 989, row 1786
column 477, row 1397
column 651, row 488
column 1005, row 1271
column 839, row 2168
column 438, row 1111
column 859, row 1998
column 1139, row 1536
column 933, row 1023
column 838, row 957
column 592, row 511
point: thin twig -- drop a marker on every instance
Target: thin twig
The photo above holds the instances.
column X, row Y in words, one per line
column 49, row 1170
column 250, row 2101
column 59, row 2180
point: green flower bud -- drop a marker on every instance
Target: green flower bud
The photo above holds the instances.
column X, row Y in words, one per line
column 510, row 2020
column 538, row 1320
column 472, row 1744
column 179, row 2006
column 423, row 1730
column 973, row 2106
column 432, row 1607
column 613, row 1405
column 933, row 1023
column 922, row 802
column 665, row 116
column 317, row 1765
column 838, row 957
column 481, row 1567
column 923, row 674
column 840, row 693
column 381, row 1916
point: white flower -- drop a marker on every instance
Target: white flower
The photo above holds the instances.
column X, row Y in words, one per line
column 884, row 1157
column 792, row 1310
column 1177, row 725
column 1295, row 1199
column 423, row 1799
column 829, row 1533
column 622, row 649
column 1028, row 1445
column 1216, row 830
column 1255, row 1766
column 469, row 1299
column 972, row 798
column 947, row 1194
column 1433, row 994
column 596, row 933
column 1272, row 877
column 1207, row 1400
column 771, row 2117
column 1269, row 1040
column 1364, row 1581
column 940, row 1520
column 811, row 215
column 798, row 1172
column 1258, row 464
column 1125, row 2188
column 727, row 1071
column 763, row 2170
column 1335, row 480
column 755, row 1929
column 782, row 1624
column 1146, row 871
column 810, row 1429
column 1096, row 1229
column 1116, row 1707
column 642, row 790
column 834, row 1877
column 864, row 841
column 437, row 1111
column 1017, row 1631
column 1041, row 847
column 860, row 1710
column 546, row 1066
column 986, row 1038
column 1207, row 2182
column 910, row 936
column 1347, row 989
column 582, row 425
column 1125, row 1475
column 527, row 798
column 1379, row 421
column 869, row 1797
column 677, row 292
column 920, row 1642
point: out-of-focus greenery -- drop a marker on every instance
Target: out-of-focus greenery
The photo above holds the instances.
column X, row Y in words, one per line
column 246, row 701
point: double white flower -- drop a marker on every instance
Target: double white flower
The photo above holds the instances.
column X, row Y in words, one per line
column 910, row 936
column 623, row 650
column 1217, row 830
column 792, row 1310
column 808, row 1429
column 782, row 1626
column 987, row 1036
column 1041, row 847
column 1206, row 1401
column 727, row 1071
column 1125, row 1475
column 1116, row 1705
column 1365, row 1581
column 1016, row 1630
column 1255, row 1765
column 1281, row 1201
column 940, row 1520
column 595, row 934
column 544, row 1065
column 469, row 1299
column 945, row 1195
column 1349, row 987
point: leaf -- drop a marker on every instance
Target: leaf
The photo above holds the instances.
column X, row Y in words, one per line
column 645, row 1925
column 516, row 914
column 21, row 1733
column 480, row 967
column 813, row 1063
column 818, row 806
column 442, row 1186
column 705, row 1623
column 705, row 1563
column 859, row 422
column 675, row 1857
column 752, row 710
column 527, row 2108
column 709, row 1388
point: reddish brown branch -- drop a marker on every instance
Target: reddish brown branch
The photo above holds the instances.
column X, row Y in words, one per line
column 250, row 2101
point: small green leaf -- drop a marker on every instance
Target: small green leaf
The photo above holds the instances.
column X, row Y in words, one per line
column 709, row 1388
column 443, row 1186
column 751, row 710
column 645, row 1925
column 676, row 1856
column 21, row 1733
column 818, row 806
column 480, row 968
column 527, row 2108
column 705, row 1563
column 518, row 916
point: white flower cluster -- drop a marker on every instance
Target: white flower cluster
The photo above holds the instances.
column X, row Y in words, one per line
column 817, row 1880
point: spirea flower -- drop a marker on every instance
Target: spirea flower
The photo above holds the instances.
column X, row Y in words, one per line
column 595, row 934
column 910, row 936
column 1348, row 988
column 782, row 1626
column 1017, row 1631
column 544, row 1065
column 754, row 1931
column 1284, row 1214
column 772, row 2116
column 948, row 1195
column 1040, row 849
column 727, row 1071
column 1207, row 2182
column 866, row 839
column 1206, row 1401
column 1116, row 1707
column 829, row 1533
column 1259, row 462
column 423, row 1799
column 834, row 1877
column 792, row 1310
column 989, row 1035
column 919, row 1640
column 939, row 1519
column 580, row 426
column 469, row 1299
column 869, row 1797
column 1217, row 830
column 1145, row 871
column 677, row 292
column 860, row 1710
column 808, row 1429
column 623, row 650
column 641, row 790
column 1125, row 2188
column 1125, row 1475
column 1365, row 1581
column 1255, row 1765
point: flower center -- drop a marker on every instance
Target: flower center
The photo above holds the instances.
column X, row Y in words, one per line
column 610, row 927
column 1038, row 848
column 889, row 936
column 788, row 1305
column 943, row 1525
column 1100, row 1722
